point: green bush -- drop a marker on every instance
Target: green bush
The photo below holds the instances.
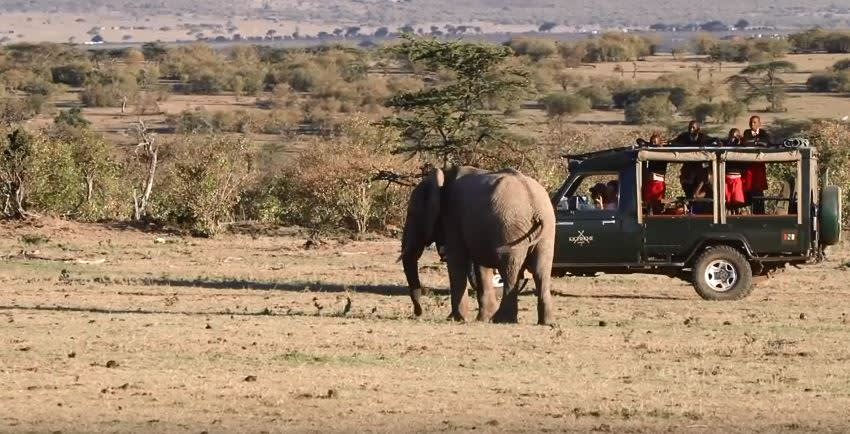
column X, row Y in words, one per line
column 730, row 111
column 831, row 138
column 657, row 110
column 204, row 183
column 111, row 88
column 703, row 111
column 822, row 82
column 65, row 173
column 535, row 48
column 73, row 75
column 331, row 184
column 599, row 96
column 563, row 104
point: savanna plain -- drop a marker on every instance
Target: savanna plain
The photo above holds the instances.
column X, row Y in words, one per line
column 107, row 328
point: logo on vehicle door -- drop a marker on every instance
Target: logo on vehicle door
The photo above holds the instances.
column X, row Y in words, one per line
column 581, row 239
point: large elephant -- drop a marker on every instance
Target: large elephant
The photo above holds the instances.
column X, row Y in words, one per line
column 496, row 220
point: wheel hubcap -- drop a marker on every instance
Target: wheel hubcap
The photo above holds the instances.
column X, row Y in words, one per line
column 721, row 275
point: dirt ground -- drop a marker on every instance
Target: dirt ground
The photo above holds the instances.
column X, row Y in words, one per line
column 111, row 329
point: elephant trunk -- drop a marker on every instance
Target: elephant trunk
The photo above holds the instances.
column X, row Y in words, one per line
column 410, row 261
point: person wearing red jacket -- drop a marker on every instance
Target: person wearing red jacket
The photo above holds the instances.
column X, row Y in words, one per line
column 755, row 178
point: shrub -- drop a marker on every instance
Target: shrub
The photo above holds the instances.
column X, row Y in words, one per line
column 655, row 109
column 831, row 139
column 72, row 117
column 703, row 111
column 334, row 179
column 822, row 82
column 112, row 88
column 599, row 96
column 563, row 104
column 73, row 75
column 535, row 48
column 204, row 183
column 730, row 111
column 13, row 111
column 841, row 65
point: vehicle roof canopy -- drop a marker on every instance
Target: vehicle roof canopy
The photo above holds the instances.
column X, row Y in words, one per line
column 613, row 159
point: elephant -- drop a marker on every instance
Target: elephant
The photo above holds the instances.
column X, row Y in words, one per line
column 482, row 221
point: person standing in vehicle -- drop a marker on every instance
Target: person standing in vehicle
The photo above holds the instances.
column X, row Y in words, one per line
column 654, row 179
column 693, row 137
column 693, row 176
column 735, row 198
column 756, row 175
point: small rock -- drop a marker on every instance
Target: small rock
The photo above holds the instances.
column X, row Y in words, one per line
column 24, row 349
column 112, row 364
column 72, row 354
column 727, row 323
column 208, row 327
column 331, row 393
column 802, row 316
column 250, row 378
column 602, row 323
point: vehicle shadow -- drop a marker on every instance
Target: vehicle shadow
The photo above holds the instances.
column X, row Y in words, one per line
column 617, row 296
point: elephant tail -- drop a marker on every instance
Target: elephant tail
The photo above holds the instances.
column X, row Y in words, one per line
column 530, row 239
column 533, row 236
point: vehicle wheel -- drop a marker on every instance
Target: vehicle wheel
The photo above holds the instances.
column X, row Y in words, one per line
column 722, row 273
column 830, row 215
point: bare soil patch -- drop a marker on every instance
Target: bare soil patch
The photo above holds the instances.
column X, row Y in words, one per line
column 116, row 329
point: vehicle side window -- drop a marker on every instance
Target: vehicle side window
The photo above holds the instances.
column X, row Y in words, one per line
column 755, row 188
column 595, row 192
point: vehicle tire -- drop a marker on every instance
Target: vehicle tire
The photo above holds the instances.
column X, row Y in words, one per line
column 722, row 273
column 830, row 215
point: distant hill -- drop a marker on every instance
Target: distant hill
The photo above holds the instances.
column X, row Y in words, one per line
column 605, row 13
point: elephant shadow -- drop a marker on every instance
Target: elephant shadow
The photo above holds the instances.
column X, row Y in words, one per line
column 302, row 286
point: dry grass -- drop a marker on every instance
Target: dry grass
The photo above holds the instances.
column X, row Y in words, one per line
column 249, row 333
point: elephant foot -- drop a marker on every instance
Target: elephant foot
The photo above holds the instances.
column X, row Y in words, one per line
column 545, row 320
column 502, row 317
column 484, row 316
column 456, row 317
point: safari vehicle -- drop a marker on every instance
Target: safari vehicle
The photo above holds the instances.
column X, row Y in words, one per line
column 717, row 249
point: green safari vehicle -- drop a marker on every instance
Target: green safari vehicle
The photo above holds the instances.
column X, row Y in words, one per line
column 720, row 249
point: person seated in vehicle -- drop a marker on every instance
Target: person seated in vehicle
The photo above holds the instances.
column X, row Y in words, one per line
column 654, row 180
column 696, row 184
column 612, row 195
column 755, row 183
column 735, row 199
column 598, row 195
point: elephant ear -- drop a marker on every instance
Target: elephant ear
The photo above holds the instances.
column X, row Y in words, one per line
column 433, row 199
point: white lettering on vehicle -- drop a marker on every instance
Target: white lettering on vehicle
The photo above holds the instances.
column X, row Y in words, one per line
column 581, row 239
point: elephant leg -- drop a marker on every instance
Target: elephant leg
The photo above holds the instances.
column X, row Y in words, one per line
column 486, row 293
column 457, row 279
column 540, row 265
column 511, row 271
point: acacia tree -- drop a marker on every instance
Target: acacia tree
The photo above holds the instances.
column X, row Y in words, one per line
column 448, row 120
column 762, row 81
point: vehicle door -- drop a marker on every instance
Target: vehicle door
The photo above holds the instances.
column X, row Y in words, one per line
column 674, row 225
column 594, row 232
